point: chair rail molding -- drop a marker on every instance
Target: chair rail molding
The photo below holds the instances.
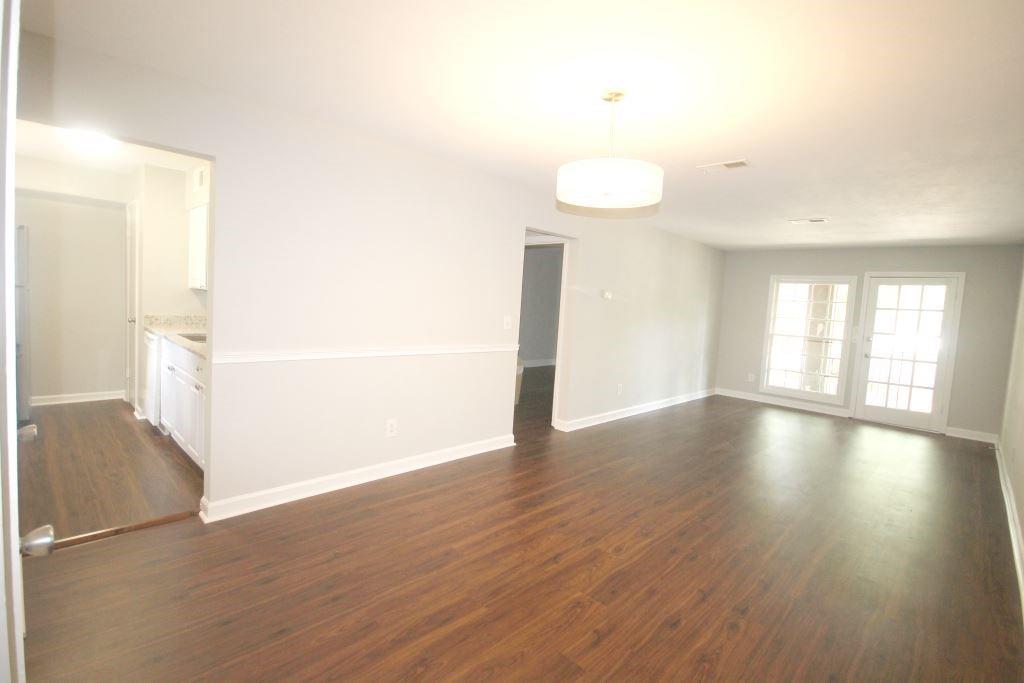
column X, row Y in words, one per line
column 233, row 357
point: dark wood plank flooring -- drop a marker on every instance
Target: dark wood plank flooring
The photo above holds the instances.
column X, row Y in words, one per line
column 718, row 539
column 533, row 412
column 94, row 467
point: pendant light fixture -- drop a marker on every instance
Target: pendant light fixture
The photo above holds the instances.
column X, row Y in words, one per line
column 610, row 182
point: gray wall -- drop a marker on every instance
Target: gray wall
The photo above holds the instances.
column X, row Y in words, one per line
column 76, row 300
column 538, row 315
column 656, row 335
column 986, row 324
column 1011, row 441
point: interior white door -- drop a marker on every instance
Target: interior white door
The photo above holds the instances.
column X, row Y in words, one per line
column 909, row 333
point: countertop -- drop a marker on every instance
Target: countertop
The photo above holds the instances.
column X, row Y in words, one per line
column 171, row 327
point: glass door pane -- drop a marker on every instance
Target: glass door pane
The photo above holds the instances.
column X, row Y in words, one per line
column 907, row 330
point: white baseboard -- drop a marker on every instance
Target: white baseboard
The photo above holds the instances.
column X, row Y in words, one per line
column 1016, row 538
column 250, row 502
column 837, row 411
column 972, row 435
column 582, row 422
column 55, row 399
column 538, row 363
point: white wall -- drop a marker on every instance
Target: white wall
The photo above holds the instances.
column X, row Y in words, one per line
column 657, row 335
column 986, row 323
column 76, row 301
column 50, row 177
column 163, row 219
column 538, row 317
column 327, row 240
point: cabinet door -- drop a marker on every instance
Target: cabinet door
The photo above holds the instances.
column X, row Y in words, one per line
column 168, row 383
column 182, row 410
column 198, row 404
column 198, row 231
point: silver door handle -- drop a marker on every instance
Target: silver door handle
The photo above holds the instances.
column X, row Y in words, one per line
column 38, row 542
column 131, row 319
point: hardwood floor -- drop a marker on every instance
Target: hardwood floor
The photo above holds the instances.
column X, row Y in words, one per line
column 718, row 539
column 533, row 412
column 94, row 467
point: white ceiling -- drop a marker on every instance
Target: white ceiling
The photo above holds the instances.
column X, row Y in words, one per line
column 900, row 121
column 46, row 142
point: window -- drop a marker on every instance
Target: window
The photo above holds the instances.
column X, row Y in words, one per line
column 807, row 337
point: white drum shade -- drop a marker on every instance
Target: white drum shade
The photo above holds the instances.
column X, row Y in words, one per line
column 609, row 183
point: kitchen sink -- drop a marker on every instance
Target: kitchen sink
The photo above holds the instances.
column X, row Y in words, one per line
column 194, row 336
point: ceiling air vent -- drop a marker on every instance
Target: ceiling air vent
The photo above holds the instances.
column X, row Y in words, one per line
column 805, row 221
column 723, row 165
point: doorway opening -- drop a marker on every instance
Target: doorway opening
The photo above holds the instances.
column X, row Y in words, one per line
column 540, row 315
column 112, row 244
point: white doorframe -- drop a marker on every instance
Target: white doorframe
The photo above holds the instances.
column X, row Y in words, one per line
column 133, row 276
column 561, row 350
column 942, row 416
column 12, row 622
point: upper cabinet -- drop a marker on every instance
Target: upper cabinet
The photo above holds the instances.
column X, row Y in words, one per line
column 199, row 185
column 198, row 236
column 198, row 226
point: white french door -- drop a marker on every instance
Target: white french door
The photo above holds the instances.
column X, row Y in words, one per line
column 909, row 334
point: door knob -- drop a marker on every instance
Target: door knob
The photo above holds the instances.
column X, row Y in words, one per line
column 38, row 542
column 131, row 319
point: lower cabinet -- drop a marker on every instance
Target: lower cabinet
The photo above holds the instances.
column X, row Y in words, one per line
column 151, row 380
column 182, row 407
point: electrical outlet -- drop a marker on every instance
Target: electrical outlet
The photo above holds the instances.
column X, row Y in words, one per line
column 618, row 390
column 391, row 427
column 507, row 322
column 750, row 377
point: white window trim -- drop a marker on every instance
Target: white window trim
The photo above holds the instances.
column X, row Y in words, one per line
column 844, row 361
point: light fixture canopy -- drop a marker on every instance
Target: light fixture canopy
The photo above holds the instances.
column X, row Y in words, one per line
column 610, row 182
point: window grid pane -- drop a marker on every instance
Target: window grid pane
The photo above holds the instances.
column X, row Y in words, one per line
column 806, row 336
column 906, row 338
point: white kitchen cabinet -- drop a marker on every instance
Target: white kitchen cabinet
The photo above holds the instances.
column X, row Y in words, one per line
column 196, row 401
column 182, row 399
column 198, row 238
column 167, row 402
column 184, row 413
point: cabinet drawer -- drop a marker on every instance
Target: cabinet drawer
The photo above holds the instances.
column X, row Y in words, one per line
column 183, row 359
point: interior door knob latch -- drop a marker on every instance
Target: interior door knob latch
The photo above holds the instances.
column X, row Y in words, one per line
column 38, row 542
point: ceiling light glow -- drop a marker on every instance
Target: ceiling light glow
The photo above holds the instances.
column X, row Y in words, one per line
column 90, row 143
column 610, row 183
